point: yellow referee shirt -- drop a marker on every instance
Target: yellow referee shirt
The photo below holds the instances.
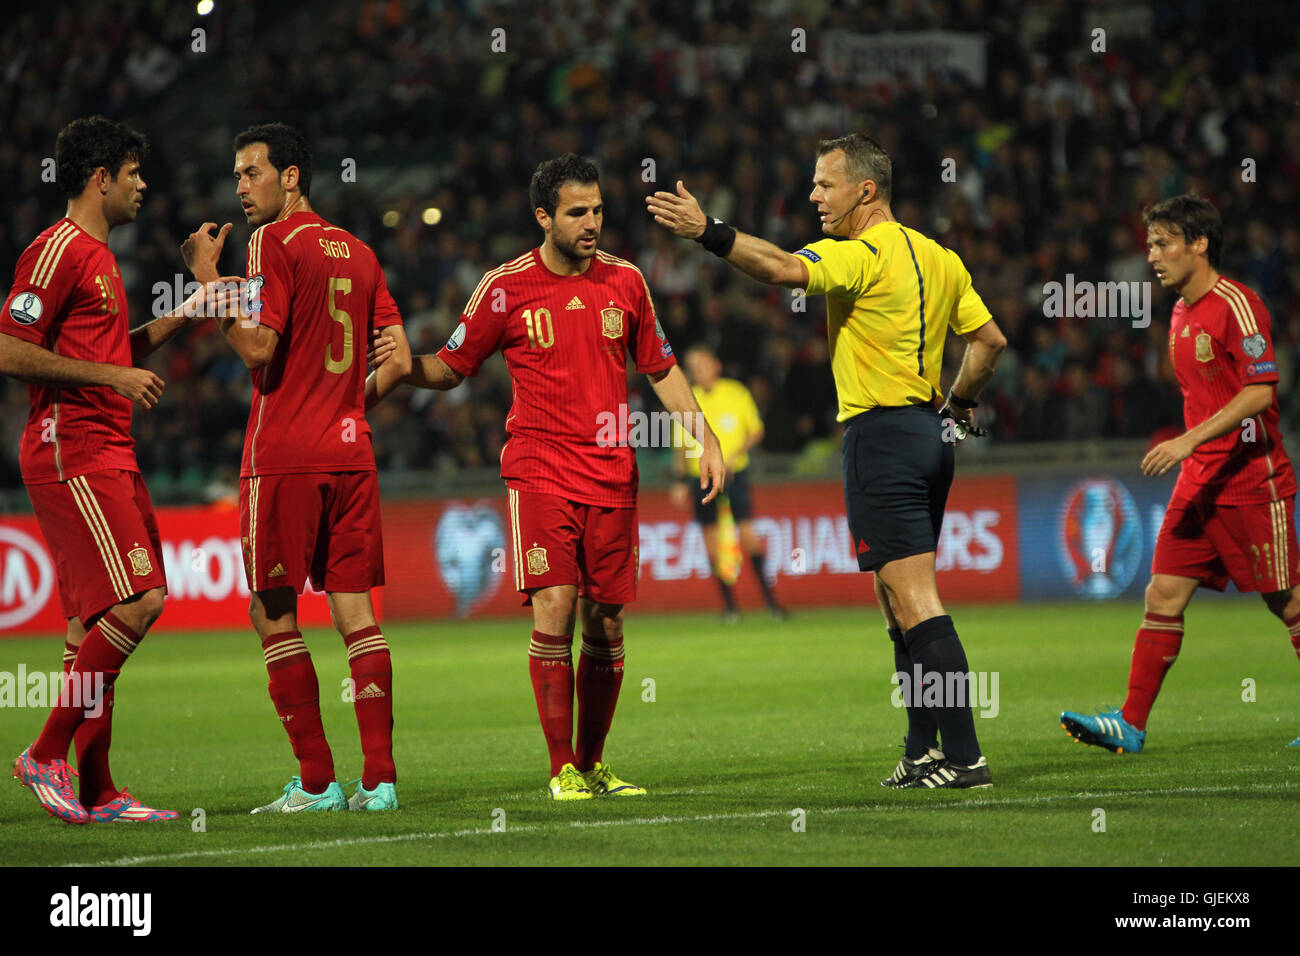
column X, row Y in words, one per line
column 891, row 295
column 733, row 416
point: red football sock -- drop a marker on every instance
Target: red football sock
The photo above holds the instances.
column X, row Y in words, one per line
column 1293, row 628
column 1154, row 652
column 99, row 660
column 296, row 696
column 91, row 741
column 550, row 665
column 372, row 698
column 600, row 675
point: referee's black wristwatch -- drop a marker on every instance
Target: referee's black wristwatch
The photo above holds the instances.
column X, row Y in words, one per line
column 959, row 402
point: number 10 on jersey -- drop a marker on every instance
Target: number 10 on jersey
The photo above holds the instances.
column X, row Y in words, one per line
column 541, row 331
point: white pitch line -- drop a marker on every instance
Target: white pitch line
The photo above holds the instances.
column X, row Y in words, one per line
column 163, row 858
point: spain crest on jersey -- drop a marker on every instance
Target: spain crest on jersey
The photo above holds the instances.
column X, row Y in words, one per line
column 140, row 563
column 1203, row 351
column 537, row 561
column 611, row 323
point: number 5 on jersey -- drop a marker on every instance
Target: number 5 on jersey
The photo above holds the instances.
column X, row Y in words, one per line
column 339, row 365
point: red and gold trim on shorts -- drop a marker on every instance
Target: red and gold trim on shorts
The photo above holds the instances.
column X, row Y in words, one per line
column 512, row 500
column 1281, row 548
column 250, row 543
column 102, row 535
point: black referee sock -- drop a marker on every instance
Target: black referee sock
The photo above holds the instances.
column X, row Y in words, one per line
column 757, row 561
column 922, row 729
column 934, row 645
column 725, row 588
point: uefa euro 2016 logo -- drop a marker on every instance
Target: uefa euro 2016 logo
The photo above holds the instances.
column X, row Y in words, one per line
column 1100, row 538
column 467, row 543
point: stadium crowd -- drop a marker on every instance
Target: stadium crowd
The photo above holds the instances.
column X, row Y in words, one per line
column 1052, row 161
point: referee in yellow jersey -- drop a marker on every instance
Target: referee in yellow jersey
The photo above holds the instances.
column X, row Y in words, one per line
column 891, row 296
column 730, row 409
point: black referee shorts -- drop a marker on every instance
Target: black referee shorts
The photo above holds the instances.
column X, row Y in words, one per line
column 897, row 472
column 736, row 489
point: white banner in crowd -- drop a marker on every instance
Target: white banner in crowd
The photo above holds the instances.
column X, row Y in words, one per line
column 880, row 57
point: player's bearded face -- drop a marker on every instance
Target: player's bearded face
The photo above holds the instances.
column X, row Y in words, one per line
column 126, row 193
column 579, row 214
column 259, row 188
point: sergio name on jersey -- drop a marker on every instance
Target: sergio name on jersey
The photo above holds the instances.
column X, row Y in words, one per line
column 321, row 288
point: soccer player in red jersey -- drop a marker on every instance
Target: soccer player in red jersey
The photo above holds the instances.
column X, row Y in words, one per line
column 1232, row 512
column 308, row 489
column 67, row 335
column 565, row 315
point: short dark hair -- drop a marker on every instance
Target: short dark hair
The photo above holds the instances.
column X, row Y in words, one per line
column 285, row 147
column 1193, row 217
column 864, row 158
column 86, row 144
column 550, row 175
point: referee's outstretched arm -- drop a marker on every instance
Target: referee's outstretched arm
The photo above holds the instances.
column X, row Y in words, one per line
column 681, row 215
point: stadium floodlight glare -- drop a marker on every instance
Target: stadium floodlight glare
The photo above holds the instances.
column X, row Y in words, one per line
column 391, row 218
column 431, row 216
column 204, row 7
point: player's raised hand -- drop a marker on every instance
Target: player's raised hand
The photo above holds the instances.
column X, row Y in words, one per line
column 202, row 250
column 679, row 213
column 713, row 474
column 1165, row 455
column 381, row 349
column 140, row 385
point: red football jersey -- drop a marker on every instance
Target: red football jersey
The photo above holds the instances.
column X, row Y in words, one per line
column 1218, row 346
column 321, row 288
column 566, row 340
column 68, row 297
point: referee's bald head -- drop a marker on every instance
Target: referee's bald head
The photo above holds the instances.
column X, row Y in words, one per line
column 864, row 158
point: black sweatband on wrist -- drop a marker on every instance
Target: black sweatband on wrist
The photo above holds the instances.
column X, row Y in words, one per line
column 961, row 403
column 717, row 237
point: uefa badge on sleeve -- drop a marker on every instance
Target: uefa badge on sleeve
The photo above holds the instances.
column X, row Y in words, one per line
column 26, row 308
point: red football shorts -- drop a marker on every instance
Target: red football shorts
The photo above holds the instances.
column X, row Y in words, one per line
column 323, row 526
column 557, row 541
column 1254, row 545
column 101, row 531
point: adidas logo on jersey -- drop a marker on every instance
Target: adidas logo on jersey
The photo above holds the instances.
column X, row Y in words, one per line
column 574, row 303
column 370, row 690
column 277, row 571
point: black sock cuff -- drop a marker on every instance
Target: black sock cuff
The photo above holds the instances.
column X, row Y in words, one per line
column 896, row 635
column 927, row 632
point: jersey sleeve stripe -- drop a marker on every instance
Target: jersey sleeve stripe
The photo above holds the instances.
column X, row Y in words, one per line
column 255, row 253
column 510, row 268
column 1240, row 307
column 51, row 256
column 610, row 260
column 48, row 250
column 305, row 225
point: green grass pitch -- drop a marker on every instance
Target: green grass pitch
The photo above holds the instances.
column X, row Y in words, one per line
column 746, row 725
